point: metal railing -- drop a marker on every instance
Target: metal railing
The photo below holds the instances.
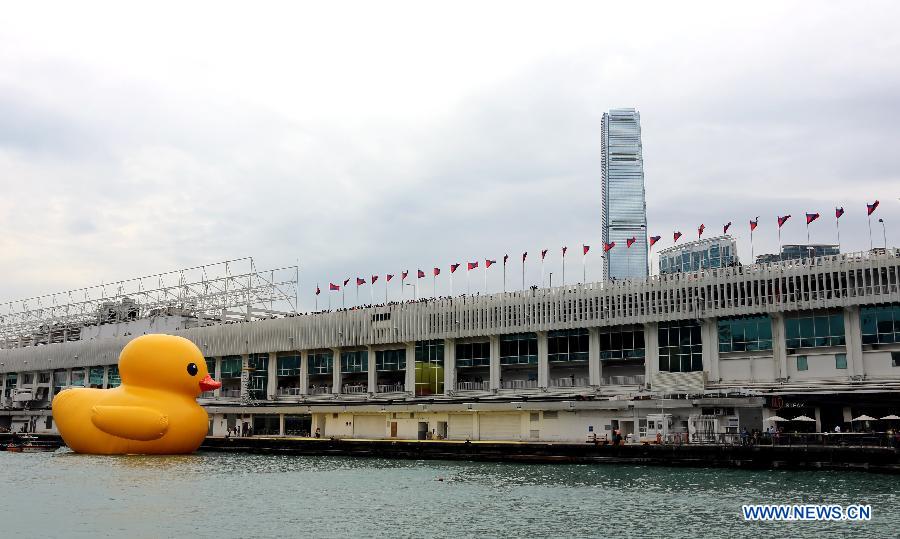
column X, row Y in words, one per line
column 288, row 391
column 518, row 384
column 634, row 380
column 569, row 382
column 355, row 389
column 793, row 439
column 230, row 393
column 319, row 390
column 391, row 388
column 473, row 386
column 208, row 395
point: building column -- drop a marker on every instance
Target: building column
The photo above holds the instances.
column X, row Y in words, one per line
column 272, row 372
column 543, row 364
column 495, row 362
column 595, row 367
column 370, row 370
column 245, row 376
column 304, row 372
column 336, row 371
column 411, row 368
column 709, row 336
column 3, row 388
column 105, row 377
column 281, row 424
column 853, row 338
column 218, row 376
column 651, row 351
column 449, row 366
column 779, row 346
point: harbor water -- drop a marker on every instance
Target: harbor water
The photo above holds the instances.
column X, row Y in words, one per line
column 220, row 495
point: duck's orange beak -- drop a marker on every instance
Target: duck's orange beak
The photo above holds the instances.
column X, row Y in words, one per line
column 208, row 384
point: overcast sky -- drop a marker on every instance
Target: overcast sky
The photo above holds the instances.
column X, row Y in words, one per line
column 380, row 136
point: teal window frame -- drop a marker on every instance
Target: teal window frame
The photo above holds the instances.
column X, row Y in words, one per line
column 745, row 334
column 95, row 376
column 288, row 365
column 568, row 346
column 258, row 382
column 390, row 360
column 840, row 361
column 622, row 344
column 320, row 362
column 880, row 325
column 112, row 376
column 680, row 346
column 354, row 361
column 78, row 378
column 802, row 363
column 518, row 349
column 231, row 367
column 814, row 329
column 211, row 366
column 473, row 354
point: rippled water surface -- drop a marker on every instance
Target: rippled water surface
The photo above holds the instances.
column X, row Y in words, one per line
column 222, row 495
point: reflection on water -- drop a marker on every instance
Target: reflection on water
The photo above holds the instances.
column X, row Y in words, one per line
column 230, row 495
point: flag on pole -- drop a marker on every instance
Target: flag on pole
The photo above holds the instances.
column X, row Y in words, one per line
column 505, row 258
column 810, row 217
column 838, row 212
column 754, row 223
column 388, row 277
column 524, row 256
column 676, row 236
column 783, row 220
column 332, row 286
column 726, row 227
column 564, row 249
column 437, row 271
column 360, row 281
column 608, row 246
column 374, row 278
column 454, row 267
column 701, row 229
column 471, row 265
column 421, row 274
column 543, row 253
column 404, row 274
column 347, row 280
column 630, row 241
column 585, row 249
column 489, row 263
column 654, row 239
column 871, row 207
column 318, row 291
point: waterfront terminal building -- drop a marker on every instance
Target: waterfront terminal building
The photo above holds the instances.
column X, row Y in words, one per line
column 692, row 353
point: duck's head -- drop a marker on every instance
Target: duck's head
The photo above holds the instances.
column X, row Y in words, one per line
column 165, row 362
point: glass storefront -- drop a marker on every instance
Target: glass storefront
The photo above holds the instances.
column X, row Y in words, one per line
column 518, row 349
column 618, row 344
column 747, row 334
column 568, row 345
column 680, row 347
column 814, row 329
column 473, row 354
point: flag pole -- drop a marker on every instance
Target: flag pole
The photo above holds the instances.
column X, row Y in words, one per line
column 564, row 269
column 504, row 275
column 752, row 254
column 584, row 266
column 451, row 282
column 433, row 283
column 468, row 281
column 523, row 274
column 372, row 292
column 870, row 231
column 357, row 293
column 485, row 277
column 329, row 296
column 779, row 243
column 343, row 297
column 837, row 225
column 385, row 290
column 542, row 271
column 317, row 297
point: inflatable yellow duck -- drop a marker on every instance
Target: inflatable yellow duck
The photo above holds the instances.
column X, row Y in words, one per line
column 154, row 411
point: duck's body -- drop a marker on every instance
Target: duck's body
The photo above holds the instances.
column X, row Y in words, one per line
column 154, row 411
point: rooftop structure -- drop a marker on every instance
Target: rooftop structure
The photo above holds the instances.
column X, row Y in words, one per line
column 624, row 202
column 800, row 251
column 718, row 252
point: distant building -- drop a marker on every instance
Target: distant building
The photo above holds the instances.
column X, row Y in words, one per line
column 799, row 252
column 709, row 253
column 624, row 204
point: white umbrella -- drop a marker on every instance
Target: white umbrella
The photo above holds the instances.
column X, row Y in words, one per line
column 776, row 418
column 863, row 418
column 803, row 418
column 891, row 417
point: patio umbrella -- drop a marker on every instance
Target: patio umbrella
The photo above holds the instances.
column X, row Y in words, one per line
column 803, row 418
column 893, row 417
column 863, row 418
column 776, row 418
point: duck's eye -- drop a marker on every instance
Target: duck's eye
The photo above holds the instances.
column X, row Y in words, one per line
column 192, row 369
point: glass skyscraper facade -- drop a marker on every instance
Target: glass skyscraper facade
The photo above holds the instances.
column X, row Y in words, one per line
column 624, row 204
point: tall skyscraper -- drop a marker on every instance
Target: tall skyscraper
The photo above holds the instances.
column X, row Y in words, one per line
column 624, row 202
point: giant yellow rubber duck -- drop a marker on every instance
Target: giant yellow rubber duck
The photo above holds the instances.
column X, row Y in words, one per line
column 154, row 411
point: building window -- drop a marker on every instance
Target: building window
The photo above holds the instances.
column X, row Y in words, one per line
column 390, row 360
column 59, row 380
column 880, row 325
column 211, row 366
column 357, row 361
column 568, row 345
column 745, row 334
column 78, row 377
column 518, row 349
column 618, row 344
column 320, row 362
column 840, row 361
column 28, row 378
column 429, row 367
column 112, row 376
column 95, row 377
column 895, row 359
column 258, row 365
column 473, row 354
column 680, row 347
column 289, row 365
column 802, row 363
column 231, row 366
column 814, row 329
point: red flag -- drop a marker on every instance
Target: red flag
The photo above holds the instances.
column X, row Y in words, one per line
column 454, row 267
column 543, row 253
column 524, row 256
column 701, row 229
column 783, row 220
column 871, row 207
column 810, row 217
column 318, row 291
column 421, row 274
column 726, row 227
column 360, row 281
column 838, row 212
column 676, row 236
column 505, row 258
column 436, row 271
column 347, row 280
column 374, row 278
column 564, row 251
column 608, row 246
column 630, row 241
column 654, row 239
column 332, row 286
column 404, row 274
column 585, row 249
column 471, row 265
column 488, row 263
column 754, row 224
column 388, row 277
